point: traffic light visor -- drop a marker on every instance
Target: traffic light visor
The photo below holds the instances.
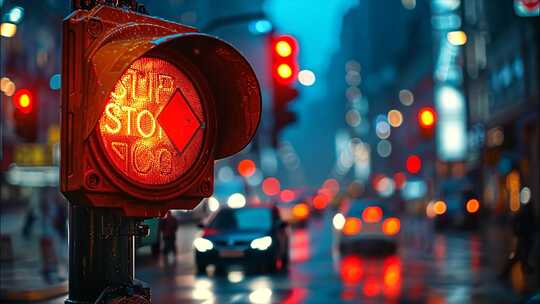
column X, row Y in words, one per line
column 218, row 72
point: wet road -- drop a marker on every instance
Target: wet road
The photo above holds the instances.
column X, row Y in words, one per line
column 454, row 267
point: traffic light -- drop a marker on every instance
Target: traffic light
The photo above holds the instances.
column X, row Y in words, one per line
column 413, row 164
column 284, row 51
column 426, row 120
column 25, row 115
column 147, row 106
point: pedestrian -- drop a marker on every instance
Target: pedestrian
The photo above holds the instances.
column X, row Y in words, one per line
column 168, row 227
column 524, row 232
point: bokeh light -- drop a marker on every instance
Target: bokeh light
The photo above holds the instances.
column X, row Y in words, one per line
column 395, row 118
column 306, row 78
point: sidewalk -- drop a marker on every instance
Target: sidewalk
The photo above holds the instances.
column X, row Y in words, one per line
column 22, row 277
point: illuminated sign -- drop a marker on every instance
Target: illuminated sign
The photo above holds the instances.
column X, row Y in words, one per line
column 152, row 128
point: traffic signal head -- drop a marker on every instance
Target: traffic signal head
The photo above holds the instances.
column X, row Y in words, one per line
column 23, row 101
column 284, row 53
column 25, row 115
column 426, row 120
column 426, row 117
column 150, row 108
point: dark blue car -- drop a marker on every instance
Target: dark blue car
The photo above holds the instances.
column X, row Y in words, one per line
column 253, row 237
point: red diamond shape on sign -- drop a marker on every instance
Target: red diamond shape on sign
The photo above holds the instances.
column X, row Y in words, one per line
column 178, row 121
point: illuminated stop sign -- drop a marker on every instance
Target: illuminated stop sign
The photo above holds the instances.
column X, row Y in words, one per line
column 148, row 105
column 152, row 126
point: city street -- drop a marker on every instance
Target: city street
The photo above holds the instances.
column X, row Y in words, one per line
column 454, row 267
column 270, row 151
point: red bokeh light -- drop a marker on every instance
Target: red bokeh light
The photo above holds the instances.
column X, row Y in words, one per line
column 23, row 101
column 287, row 195
column 372, row 287
column 271, row 186
column 400, row 179
column 320, row 201
column 414, row 164
column 246, row 167
column 351, row 269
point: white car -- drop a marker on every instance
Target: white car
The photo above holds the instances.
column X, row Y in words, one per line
column 364, row 225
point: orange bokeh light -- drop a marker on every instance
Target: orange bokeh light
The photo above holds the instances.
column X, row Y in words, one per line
column 426, row 117
column 246, row 167
column 372, row 214
column 391, row 226
column 300, row 211
column 352, row 226
column 439, row 207
column 473, row 205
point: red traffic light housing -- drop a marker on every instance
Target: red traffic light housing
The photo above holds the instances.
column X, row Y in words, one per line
column 147, row 106
column 284, row 63
column 25, row 115
column 284, row 51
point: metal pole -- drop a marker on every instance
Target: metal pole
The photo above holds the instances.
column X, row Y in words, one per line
column 101, row 252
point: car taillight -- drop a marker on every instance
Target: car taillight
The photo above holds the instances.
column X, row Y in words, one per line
column 209, row 231
column 439, row 207
column 352, row 226
column 372, row 214
column 300, row 211
column 472, row 205
column 391, row 226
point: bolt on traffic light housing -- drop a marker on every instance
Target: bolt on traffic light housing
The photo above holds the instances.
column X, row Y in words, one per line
column 147, row 106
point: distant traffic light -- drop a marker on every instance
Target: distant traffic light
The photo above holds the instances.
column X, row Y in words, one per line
column 23, row 101
column 426, row 120
column 284, row 65
column 25, row 115
column 283, row 50
column 413, row 164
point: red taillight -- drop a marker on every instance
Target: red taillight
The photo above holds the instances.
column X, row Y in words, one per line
column 391, row 226
column 352, row 226
column 372, row 214
column 209, row 231
column 300, row 211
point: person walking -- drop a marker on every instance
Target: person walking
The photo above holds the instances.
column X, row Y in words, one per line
column 168, row 227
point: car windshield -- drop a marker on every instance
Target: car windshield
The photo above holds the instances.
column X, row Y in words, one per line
column 357, row 207
column 242, row 219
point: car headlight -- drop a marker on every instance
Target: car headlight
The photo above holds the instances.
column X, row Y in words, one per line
column 338, row 221
column 261, row 243
column 202, row 244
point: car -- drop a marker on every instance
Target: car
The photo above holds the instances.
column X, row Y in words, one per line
column 295, row 212
column 152, row 239
column 254, row 237
column 456, row 206
column 366, row 226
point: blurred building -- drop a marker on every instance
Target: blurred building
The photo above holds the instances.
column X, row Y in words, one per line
column 502, row 66
column 378, row 65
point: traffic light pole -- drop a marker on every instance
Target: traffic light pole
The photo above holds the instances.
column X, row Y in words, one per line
column 102, row 256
